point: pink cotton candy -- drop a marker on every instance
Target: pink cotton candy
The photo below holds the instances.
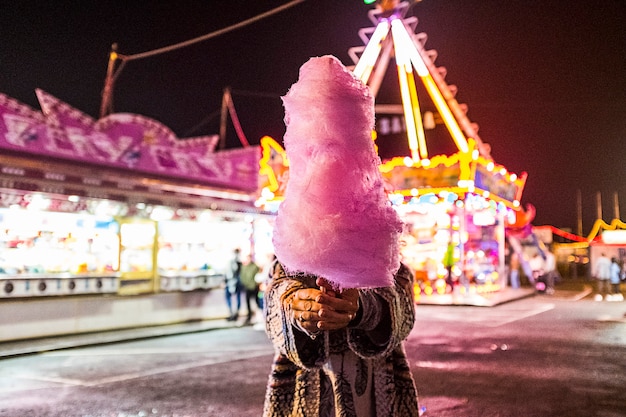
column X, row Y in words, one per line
column 336, row 221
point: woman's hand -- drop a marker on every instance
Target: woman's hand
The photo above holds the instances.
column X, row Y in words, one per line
column 337, row 308
column 305, row 308
column 324, row 308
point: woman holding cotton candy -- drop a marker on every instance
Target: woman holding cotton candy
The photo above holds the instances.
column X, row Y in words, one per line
column 339, row 353
column 339, row 303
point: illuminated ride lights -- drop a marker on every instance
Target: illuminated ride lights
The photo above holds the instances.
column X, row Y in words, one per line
column 460, row 173
column 471, row 169
column 410, row 55
column 418, row 176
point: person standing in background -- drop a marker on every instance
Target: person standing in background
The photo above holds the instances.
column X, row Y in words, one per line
column 537, row 265
column 249, row 269
column 550, row 271
column 616, row 276
column 602, row 273
column 514, row 266
column 233, row 286
column 262, row 278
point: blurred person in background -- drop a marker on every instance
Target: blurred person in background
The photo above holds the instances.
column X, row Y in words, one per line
column 249, row 270
column 550, row 272
column 602, row 274
column 616, row 276
column 233, row 286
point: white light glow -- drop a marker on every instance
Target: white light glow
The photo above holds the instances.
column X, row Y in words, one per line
column 162, row 213
column 406, row 44
column 366, row 63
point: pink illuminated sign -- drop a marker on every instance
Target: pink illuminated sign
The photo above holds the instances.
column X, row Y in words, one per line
column 123, row 140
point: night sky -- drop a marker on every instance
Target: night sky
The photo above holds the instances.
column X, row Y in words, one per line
column 544, row 80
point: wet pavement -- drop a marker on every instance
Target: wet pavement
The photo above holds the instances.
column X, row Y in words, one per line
column 46, row 344
column 544, row 356
column 572, row 291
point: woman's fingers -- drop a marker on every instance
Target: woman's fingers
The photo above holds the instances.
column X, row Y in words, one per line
column 333, row 324
column 324, row 309
column 338, row 304
column 305, row 309
column 306, row 300
column 308, row 318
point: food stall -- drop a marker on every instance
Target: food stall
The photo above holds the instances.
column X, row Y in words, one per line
column 119, row 209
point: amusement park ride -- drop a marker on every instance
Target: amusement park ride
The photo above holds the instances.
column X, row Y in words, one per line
column 391, row 35
column 471, row 169
column 454, row 189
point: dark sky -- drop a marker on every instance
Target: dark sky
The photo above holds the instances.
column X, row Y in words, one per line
column 544, row 80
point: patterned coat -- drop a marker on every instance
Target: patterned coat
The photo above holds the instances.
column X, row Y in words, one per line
column 360, row 371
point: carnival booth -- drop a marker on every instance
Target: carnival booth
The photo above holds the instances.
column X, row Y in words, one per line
column 608, row 240
column 119, row 209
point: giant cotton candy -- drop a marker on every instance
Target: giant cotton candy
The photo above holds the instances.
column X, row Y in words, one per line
column 336, row 221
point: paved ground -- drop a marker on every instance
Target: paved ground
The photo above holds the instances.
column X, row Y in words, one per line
column 537, row 356
column 571, row 290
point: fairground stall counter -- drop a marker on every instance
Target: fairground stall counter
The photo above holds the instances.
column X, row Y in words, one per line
column 116, row 222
